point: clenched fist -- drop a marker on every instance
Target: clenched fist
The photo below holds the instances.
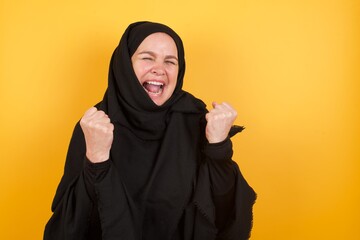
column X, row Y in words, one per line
column 219, row 121
column 98, row 132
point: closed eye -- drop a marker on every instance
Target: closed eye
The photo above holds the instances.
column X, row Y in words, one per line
column 147, row 58
column 146, row 55
column 171, row 62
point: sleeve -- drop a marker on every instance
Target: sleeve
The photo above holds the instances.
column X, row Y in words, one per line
column 223, row 198
column 94, row 173
column 222, row 173
column 222, row 180
column 75, row 214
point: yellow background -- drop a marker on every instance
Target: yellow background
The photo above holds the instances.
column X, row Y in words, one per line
column 290, row 68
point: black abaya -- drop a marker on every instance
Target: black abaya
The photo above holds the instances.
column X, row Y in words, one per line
column 163, row 179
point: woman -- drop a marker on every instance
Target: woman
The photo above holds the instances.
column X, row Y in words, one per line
column 149, row 161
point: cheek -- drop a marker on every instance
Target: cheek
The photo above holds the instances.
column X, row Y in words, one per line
column 173, row 74
column 140, row 70
column 174, row 78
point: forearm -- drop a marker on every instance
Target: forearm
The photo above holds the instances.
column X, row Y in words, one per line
column 222, row 176
column 222, row 171
column 94, row 173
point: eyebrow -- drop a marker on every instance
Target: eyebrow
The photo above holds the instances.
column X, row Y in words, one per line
column 154, row 54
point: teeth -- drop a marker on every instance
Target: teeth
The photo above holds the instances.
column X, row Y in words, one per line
column 153, row 87
column 155, row 83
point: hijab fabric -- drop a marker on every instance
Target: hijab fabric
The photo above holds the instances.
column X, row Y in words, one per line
column 126, row 95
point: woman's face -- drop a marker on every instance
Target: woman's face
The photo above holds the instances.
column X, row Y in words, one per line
column 156, row 66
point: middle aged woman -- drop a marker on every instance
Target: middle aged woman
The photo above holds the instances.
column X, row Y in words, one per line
column 149, row 161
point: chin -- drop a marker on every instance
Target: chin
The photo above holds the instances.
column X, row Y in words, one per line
column 158, row 101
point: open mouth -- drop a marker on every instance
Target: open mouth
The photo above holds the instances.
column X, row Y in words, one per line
column 153, row 87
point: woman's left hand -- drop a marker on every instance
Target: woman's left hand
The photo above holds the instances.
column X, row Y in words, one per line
column 219, row 121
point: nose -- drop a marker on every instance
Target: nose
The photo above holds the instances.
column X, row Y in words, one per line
column 158, row 69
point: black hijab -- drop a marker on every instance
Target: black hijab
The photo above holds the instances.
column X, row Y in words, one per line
column 126, row 95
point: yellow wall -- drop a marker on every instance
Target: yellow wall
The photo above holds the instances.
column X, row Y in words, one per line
column 291, row 68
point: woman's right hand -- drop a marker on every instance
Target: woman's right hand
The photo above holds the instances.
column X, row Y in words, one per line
column 98, row 132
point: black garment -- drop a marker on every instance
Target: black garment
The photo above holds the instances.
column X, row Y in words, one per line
column 163, row 180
